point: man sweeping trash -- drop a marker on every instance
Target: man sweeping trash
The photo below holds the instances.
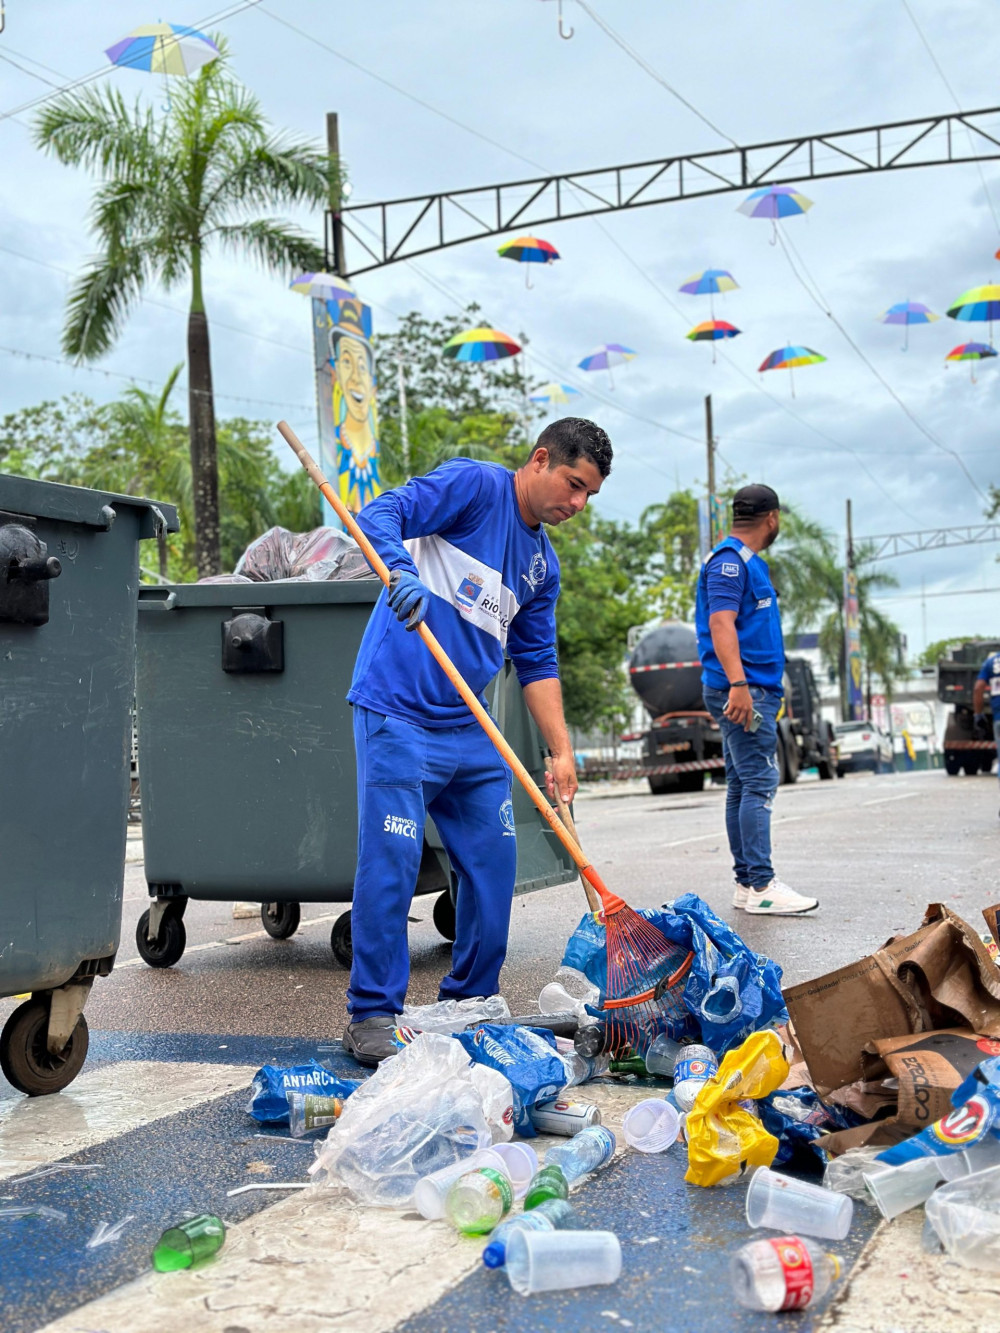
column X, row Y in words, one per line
column 743, row 661
column 468, row 551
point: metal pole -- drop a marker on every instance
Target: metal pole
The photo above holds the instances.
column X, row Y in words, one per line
column 710, row 445
column 404, row 427
column 337, row 259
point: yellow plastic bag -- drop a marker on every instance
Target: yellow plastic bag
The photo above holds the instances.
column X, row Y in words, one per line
column 723, row 1138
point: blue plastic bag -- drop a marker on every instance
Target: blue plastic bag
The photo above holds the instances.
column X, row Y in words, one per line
column 268, row 1100
column 798, row 1119
column 527, row 1058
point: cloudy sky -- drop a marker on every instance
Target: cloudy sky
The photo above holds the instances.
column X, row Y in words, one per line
column 437, row 94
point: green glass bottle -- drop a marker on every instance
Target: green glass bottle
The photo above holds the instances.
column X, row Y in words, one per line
column 548, row 1183
column 631, row 1064
column 188, row 1243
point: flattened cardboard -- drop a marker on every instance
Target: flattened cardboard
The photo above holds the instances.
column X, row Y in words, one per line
column 991, row 915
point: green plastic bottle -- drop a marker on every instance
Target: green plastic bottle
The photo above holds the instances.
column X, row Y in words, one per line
column 188, row 1243
column 478, row 1201
column 548, row 1183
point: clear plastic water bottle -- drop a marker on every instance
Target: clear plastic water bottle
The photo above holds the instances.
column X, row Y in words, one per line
column 582, row 1068
column 554, row 1214
column 585, row 1152
column 694, row 1066
column 548, row 1183
column 782, row 1273
column 477, row 1201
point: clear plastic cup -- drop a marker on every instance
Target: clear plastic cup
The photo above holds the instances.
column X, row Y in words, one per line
column 562, row 1260
column 785, row 1204
column 521, row 1162
column 430, row 1193
column 661, row 1056
column 904, row 1187
column 651, row 1125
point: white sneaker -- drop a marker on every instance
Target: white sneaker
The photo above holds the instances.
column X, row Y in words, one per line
column 740, row 892
column 777, row 899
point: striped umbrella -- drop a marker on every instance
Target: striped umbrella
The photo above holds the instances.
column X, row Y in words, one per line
column 787, row 358
column 971, row 352
column 775, row 202
column 481, row 344
column 712, row 330
column 606, row 356
column 707, row 283
column 552, row 395
column 528, row 250
column 163, row 48
column 907, row 313
column 324, row 286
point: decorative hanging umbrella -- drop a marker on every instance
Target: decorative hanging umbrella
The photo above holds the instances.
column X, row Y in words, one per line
column 480, row 344
column 707, row 283
column 788, row 358
column 163, row 48
column 606, row 356
column 979, row 304
column 907, row 313
column 551, row 395
column 528, row 250
column 713, row 331
column 324, row 286
column 775, row 202
column 971, row 352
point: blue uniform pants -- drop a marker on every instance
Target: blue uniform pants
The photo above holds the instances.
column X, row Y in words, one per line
column 455, row 775
column 751, row 780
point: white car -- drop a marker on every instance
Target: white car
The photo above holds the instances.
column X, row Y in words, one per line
column 860, row 745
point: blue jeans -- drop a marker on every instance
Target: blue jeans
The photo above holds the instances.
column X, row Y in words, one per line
column 751, row 780
column 996, row 737
column 406, row 772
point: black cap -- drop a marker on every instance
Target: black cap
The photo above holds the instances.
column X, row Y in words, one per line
column 752, row 501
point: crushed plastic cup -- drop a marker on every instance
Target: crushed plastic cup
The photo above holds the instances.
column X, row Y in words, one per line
column 521, row 1162
column 904, row 1187
column 429, row 1194
column 562, row 1260
column 651, row 1125
column 785, row 1204
column 661, row 1055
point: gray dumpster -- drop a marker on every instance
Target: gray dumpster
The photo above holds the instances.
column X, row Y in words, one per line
column 69, row 571
column 246, row 758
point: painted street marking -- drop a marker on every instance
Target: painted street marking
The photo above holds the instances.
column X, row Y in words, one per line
column 884, row 800
column 237, row 939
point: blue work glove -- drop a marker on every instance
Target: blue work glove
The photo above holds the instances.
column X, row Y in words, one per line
column 408, row 597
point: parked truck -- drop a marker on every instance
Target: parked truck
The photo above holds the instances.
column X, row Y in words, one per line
column 683, row 743
column 964, row 751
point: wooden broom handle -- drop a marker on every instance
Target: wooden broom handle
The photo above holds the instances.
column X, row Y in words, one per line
column 593, row 901
column 451, row 671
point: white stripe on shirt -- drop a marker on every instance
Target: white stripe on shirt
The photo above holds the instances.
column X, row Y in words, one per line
column 475, row 590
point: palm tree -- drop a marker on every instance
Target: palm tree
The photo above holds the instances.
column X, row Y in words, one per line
column 171, row 188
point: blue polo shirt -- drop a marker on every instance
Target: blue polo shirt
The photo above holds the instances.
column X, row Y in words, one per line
column 735, row 578
column 990, row 672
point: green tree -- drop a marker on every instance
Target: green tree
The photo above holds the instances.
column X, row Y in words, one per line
column 42, row 440
column 671, row 528
column 934, row 652
column 170, row 189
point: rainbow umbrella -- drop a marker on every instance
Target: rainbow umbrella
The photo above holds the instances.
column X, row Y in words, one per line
column 549, row 395
column 907, row 313
column 712, row 330
column 528, row 250
column 325, row 286
column 709, row 281
column 775, row 202
column 788, row 358
column 979, row 303
column 163, row 48
column 606, row 356
column 480, row 344
column 972, row 352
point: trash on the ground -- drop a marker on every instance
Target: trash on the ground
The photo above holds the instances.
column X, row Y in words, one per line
column 188, row 1243
column 420, row 1111
column 562, row 1261
column 280, row 556
column 430, row 1192
column 527, row 1059
column 106, row 1233
column 521, row 1162
column 271, row 1085
column 975, row 1123
column 56, row 1169
column 899, row 1188
column 450, row 1016
column 553, row 1215
column 547, row 1183
column 852, row 1025
column 479, row 1200
column 308, row 1111
column 800, row 1121
column 568, row 990
column 630, row 1066
column 693, row 1068
column 268, row 1185
column 724, row 1140
column 651, row 1126
column 662, row 1056
column 965, row 1215
column 32, row 1210
column 784, row 1203
column 582, row 1068
column 587, row 1151
column 564, row 1117
column 846, row 1173
column 782, row 1273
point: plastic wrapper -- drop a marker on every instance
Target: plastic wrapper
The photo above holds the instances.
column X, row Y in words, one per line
column 271, row 1085
column 965, row 1214
column 798, row 1119
column 527, row 1058
column 423, row 1110
column 451, row 1016
column 845, row 1174
column 325, row 553
column 968, row 1125
column 724, row 1140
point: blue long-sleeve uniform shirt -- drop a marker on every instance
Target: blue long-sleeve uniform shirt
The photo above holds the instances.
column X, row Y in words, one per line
column 494, row 583
column 990, row 672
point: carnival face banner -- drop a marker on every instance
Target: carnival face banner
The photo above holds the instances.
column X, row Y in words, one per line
column 347, row 382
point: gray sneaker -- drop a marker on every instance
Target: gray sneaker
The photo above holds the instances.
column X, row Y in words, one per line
column 371, row 1040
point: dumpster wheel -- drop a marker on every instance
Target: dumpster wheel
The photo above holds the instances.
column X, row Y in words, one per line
column 168, row 947
column 280, row 920
column 25, row 1059
column 340, row 940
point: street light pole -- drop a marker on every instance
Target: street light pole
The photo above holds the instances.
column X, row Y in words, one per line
column 404, row 425
column 710, row 445
column 337, row 259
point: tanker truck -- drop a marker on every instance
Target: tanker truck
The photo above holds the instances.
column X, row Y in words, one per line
column 683, row 743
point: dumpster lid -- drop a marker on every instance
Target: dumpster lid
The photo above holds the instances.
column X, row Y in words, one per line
column 79, row 504
column 293, row 592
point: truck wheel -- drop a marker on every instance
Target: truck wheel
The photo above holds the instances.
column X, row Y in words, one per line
column 952, row 763
column 168, row 948
column 825, row 770
column 788, row 760
column 444, row 915
column 340, row 940
column 280, row 920
column 25, row 1058
column 661, row 784
column 690, row 781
